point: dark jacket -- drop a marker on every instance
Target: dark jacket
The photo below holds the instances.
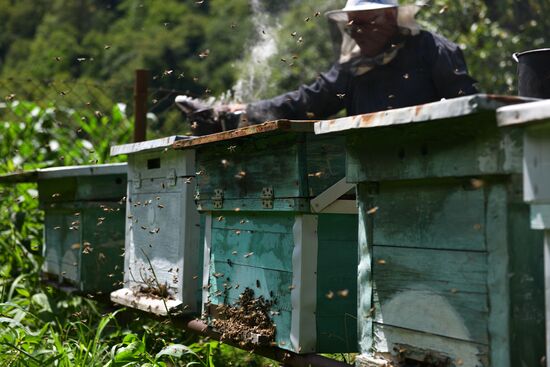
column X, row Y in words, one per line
column 427, row 69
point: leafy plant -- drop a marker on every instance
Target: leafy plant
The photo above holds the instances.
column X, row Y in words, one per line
column 40, row 325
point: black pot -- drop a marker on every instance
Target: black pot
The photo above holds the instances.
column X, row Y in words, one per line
column 534, row 73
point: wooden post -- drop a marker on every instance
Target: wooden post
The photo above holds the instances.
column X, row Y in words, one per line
column 140, row 105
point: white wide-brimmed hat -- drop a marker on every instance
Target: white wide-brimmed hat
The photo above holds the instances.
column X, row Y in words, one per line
column 366, row 5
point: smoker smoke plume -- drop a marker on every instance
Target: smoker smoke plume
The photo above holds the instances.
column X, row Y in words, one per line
column 255, row 77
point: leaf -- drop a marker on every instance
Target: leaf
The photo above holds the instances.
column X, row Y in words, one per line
column 175, row 350
column 42, row 301
column 130, row 352
column 23, row 292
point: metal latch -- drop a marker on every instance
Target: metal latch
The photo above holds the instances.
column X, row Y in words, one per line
column 137, row 180
column 267, row 197
column 171, row 178
column 217, row 198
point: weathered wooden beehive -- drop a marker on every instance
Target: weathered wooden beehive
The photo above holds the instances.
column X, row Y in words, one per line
column 535, row 119
column 83, row 224
column 280, row 238
column 163, row 252
column 450, row 273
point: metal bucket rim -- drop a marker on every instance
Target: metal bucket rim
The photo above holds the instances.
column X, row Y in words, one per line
column 518, row 54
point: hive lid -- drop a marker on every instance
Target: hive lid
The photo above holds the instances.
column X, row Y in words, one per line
column 265, row 128
column 524, row 113
column 149, row 145
column 444, row 109
column 64, row 171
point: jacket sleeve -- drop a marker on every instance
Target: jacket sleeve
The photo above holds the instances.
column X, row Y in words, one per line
column 449, row 71
column 321, row 99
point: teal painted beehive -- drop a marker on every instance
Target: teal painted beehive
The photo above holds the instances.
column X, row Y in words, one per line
column 450, row 273
column 535, row 119
column 280, row 237
column 163, row 252
column 83, row 225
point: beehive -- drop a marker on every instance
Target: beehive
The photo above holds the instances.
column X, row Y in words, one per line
column 535, row 118
column 162, row 256
column 450, row 273
column 83, row 224
column 280, row 237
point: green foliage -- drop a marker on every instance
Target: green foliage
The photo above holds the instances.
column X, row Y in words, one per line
column 489, row 32
column 39, row 325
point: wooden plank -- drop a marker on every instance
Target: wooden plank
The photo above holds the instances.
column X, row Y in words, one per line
column 418, row 345
column 253, row 165
column 273, row 285
column 101, row 265
column 303, row 331
column 326, row 162
column 61, row 258
column 341, row 207
column 448, row 148
column 262, row 240
column 84, row 188
column 497, row 276
column 19, row 177
column 330, row 195
column 161, row 165
column 107, row 187
column 255, row 205
column 460, row 107
column 266, row 127
column 525, row 113
column 263, row 262
column 163, row 243
column 536, row 161
column 435, row 291
column 146, row 146
column 337, row 283
column 443, row 214
column 527, row 307
column 364, row 270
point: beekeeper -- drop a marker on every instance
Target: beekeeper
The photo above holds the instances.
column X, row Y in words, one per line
column 386, row 61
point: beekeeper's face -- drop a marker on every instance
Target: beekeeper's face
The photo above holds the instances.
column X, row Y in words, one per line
column 372, row 29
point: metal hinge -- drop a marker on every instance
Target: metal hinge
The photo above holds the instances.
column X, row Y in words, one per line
column 171, row 178
column 217, row 199
column 267, row 197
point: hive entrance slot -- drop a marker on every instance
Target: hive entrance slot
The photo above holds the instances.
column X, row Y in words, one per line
column 153, row 163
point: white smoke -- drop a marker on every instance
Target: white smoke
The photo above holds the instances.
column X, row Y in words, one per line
column 255, row 71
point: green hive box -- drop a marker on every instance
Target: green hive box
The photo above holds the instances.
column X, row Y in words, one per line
column 83, row 224
column 535, row 119
column 163, row 251
column 450, row 272
column 280, row 221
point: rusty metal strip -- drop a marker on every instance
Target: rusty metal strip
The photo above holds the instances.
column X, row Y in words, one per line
column 266, row 127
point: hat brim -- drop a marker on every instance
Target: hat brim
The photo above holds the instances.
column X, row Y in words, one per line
column 341, row 15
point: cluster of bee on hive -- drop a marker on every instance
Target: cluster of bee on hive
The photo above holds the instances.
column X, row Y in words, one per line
column 247, row 322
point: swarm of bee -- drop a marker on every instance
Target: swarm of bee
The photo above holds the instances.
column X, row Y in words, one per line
column 246, row 321
column 160, row 291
